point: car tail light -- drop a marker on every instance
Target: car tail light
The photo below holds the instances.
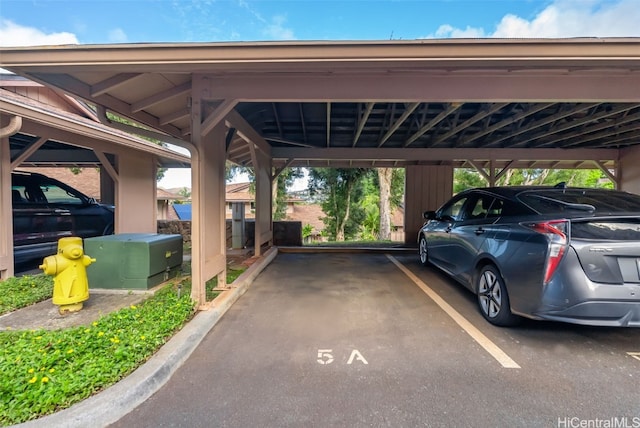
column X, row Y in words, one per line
column 556, row 232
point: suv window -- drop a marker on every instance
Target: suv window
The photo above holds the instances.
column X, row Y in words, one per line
column 57, row 195
column 43, row 192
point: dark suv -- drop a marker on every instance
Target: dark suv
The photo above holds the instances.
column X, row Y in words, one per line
column 45, row 210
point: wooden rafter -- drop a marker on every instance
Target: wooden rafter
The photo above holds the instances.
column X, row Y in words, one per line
column 447, row 111
column 362, row 120
column 407, row 112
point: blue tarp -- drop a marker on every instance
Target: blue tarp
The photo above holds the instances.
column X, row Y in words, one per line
column 183, row 211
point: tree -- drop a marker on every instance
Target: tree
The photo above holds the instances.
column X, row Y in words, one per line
column 390, row 183
column 469, row 178
column 384, row 180
column 185, row 192
column 340, row 190
column 280, row 185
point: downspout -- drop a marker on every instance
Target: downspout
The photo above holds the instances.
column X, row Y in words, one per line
column 15, row 123
column 102, row 117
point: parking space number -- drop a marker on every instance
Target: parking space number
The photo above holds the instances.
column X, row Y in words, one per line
column 325, row 356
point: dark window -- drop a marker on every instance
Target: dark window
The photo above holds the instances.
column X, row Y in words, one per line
column 580, row 200
column 618, row 230
column 453, row 209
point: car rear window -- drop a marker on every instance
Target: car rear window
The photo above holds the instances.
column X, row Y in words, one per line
column 614, row 230
column 575, row 201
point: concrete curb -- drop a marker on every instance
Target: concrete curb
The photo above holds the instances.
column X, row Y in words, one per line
column 116, row 401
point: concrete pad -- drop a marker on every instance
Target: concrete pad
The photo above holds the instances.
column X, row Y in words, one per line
column 45, row 315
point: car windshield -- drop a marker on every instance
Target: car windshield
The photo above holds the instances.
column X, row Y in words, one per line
column 580, row 200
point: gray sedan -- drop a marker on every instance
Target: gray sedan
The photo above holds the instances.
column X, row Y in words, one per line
column 553, row 253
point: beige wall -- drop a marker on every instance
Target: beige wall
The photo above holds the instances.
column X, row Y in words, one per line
column 426, row 188
column 630, row 170
column 6, row 216
column 136, row 194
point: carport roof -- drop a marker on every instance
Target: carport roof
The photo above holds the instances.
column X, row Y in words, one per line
column 64, row 136
column 519, row 103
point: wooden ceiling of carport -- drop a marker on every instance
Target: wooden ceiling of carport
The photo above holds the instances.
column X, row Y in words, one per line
column 51, row 136
column 520, row 103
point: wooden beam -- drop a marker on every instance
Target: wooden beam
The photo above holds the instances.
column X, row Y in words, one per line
column 504, row 170
column 480, row 169
column 450, row 109
column 104, row 162
column 218, row 115
column 112, row 83
column 178, row 114
column 547, row 120
column 28, row 151
column 361, row 122
column 329, row 124
column 418, row 154
column 576, row 123
column 612, row 176
column 410, row 108
column 282, row 168
column 161, row 97
column 475, row 118
column 246, row 131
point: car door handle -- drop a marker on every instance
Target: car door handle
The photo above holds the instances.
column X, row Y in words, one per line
column 479, row 231
column 61, row 211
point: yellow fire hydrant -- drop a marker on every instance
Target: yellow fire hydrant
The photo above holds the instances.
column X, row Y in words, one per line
column 69, row 270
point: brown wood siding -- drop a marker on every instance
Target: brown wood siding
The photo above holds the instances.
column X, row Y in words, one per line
column 43, row 95
column 426, row 188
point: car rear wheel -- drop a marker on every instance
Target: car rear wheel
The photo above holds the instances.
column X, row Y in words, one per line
column 493, row 298
column 423, row 251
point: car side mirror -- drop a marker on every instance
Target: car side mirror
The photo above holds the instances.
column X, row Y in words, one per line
column 429, row 215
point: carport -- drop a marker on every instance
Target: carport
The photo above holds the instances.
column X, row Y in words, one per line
column 38, row 131
column 427, row 105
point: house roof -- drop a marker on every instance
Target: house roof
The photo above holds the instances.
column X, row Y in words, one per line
column 166, row 195
column 308, row 214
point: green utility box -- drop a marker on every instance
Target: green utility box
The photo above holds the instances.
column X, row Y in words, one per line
column 133, row 261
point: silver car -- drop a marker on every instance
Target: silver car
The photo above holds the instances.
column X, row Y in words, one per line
column 552, row 253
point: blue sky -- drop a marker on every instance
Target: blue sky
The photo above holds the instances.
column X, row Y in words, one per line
column 52, row 22
column 29, row 22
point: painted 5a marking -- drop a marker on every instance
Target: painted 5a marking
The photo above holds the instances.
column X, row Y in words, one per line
column 325, row 356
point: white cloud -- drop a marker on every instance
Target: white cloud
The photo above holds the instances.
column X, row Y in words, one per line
column 12, row 34
column 117, row 35
column 176, row 178
column 447, row 31
column 276, row 29
column 563, row 18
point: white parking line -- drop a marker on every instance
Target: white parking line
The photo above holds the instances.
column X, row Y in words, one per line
column 472, row 331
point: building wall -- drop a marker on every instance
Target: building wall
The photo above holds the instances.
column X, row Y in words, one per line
column 630, row 170
column 426, row 188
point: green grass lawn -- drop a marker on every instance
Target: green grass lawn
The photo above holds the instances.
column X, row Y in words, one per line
column 44, row 371
column 16, row 293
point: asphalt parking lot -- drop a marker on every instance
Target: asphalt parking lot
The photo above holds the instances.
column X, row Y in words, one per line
column 375, row 340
